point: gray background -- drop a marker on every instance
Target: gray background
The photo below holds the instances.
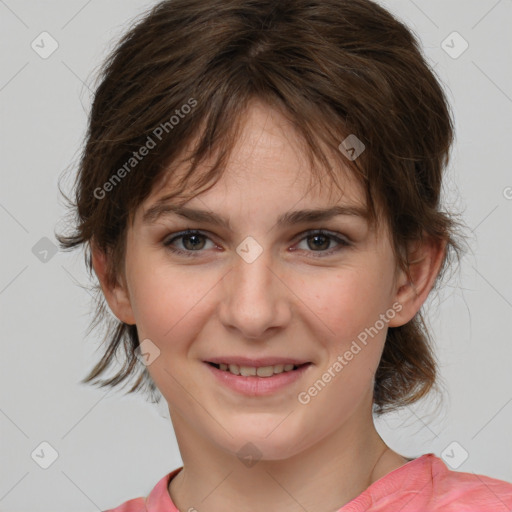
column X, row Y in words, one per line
column 112, row 448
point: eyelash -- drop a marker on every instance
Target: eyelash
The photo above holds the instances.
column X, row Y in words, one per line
column 316, row 232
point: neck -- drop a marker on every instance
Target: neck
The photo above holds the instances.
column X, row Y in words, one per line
column 322, row 478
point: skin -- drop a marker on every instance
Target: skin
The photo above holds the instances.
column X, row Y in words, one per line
column 316, row 456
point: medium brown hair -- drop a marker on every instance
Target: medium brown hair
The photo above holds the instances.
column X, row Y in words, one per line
column 186, row 72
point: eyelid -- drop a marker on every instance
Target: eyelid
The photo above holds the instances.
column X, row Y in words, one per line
column 320, row 231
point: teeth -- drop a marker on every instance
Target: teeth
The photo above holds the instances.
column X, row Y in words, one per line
column 265, row 371
column 247, row 371
column 262, row 371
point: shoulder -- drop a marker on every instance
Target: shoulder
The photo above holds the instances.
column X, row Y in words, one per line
column 158, row 499
column 133, row 505
column 426, row 484
column 463, row 491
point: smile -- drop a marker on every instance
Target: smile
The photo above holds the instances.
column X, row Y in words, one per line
column 257, row 381
column 252, row 371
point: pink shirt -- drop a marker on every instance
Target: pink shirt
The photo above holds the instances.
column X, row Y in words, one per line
column 424, row 484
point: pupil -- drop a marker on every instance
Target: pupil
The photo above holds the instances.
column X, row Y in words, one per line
column 321, row 246
column 193, row 244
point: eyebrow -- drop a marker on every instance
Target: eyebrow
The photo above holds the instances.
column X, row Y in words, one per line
column 164, row 208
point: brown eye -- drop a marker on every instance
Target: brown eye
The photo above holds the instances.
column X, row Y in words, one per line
column 319, row 241
column 191, row 241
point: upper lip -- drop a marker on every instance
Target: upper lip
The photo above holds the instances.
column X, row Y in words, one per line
column 255, row 362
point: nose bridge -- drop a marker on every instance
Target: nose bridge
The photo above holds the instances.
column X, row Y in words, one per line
column 253, row 295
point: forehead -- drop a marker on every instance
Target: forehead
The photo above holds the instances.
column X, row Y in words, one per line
column 268, row 165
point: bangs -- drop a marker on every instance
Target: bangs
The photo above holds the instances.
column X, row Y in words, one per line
column 206, row 155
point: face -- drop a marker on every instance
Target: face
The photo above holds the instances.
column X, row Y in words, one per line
column 260, row 293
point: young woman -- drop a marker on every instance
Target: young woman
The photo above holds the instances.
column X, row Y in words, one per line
column 259, row 197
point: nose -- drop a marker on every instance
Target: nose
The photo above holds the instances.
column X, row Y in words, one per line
column 255, row 299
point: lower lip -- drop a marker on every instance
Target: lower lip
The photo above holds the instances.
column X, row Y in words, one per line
column 258, row 386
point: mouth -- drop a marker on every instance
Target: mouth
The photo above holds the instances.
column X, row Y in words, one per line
column 257, row 371
column 258, row 377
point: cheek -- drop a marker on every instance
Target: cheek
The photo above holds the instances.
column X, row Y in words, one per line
column 163, row 300
column 350, row 301
column 172, row 306
column 169, row 311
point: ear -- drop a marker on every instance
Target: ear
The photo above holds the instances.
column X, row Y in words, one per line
column 116, row 295
column 413, row 287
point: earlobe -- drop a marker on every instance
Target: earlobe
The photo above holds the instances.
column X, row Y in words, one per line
column 414, row 287
column 116, row 294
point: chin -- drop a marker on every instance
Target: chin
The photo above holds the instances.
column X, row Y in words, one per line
column 250, row 443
